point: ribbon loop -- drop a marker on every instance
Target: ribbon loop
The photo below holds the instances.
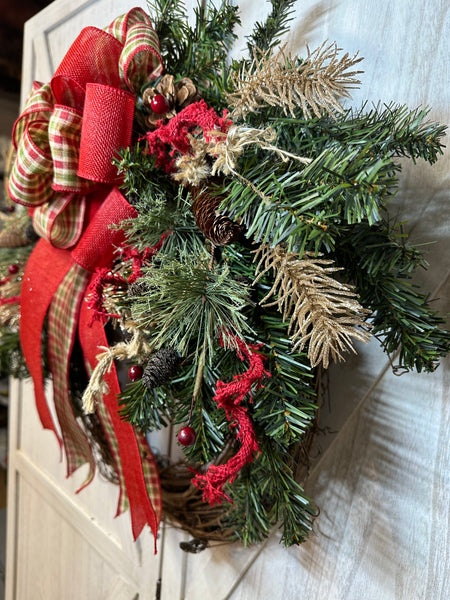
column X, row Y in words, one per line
column 71, row 128
column 61, row 222
column 93, row 57
column 140, row 61
column 29, row 183
column 64, row 129
column 107, row 126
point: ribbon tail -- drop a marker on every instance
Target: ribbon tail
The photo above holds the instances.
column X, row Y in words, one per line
column 62, row 327
column 140, row 475
column 38, row 288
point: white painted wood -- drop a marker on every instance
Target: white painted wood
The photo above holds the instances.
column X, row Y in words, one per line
column 381, row 480
column 354, row 554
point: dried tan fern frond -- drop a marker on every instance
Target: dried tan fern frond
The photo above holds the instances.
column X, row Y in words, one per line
column 315, row 83
column 323, row 312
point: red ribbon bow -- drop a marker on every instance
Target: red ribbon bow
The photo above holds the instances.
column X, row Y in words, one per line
column 66, row 138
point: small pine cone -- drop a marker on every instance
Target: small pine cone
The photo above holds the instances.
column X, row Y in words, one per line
column 218, row 228
column 160, row 368
column 136, row 289
column 31, row 234
column 223, row 231
column 178, row 96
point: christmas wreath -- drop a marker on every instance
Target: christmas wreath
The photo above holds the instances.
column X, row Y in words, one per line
column 220, row 229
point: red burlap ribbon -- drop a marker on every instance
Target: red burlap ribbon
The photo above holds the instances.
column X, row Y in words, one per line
column 66, row 138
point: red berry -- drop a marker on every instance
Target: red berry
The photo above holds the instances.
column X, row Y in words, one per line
column 135, row 372
column 187, row 436
column 159, row 104
column 10, row 208
column 13, row 269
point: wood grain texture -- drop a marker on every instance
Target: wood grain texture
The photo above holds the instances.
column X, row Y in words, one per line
column 381, row 478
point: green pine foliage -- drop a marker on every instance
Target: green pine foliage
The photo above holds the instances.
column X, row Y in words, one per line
column 382, row 264
column 351, row 179
column 197, row 51
column 267, row 35
column 265, row 495
column 186, row 301
column 12, row 362
column 145, row 409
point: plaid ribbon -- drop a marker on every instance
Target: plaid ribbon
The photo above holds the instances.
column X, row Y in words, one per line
column 62, row 322
column 65, row 138
column 48, row 135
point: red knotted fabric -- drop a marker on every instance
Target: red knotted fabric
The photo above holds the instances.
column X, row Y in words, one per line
column 66, row 138
column 229, row 396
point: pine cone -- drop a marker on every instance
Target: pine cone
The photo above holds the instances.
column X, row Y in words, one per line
column 160, row 368
column 31, row 234
column 137, row 289
column 178, row 95
column 218, row 228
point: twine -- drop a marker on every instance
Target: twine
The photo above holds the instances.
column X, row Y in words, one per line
column 121, row 351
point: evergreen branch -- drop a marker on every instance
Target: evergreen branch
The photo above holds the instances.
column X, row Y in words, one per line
column 12, row 361
column 170, row 21
column 324, row 314
column 265, row 494
column 313, row 84
column 286, row 406
column 199, row 52
column 380, row 264
column 391, row 130
column 162, row 216
column 143, row 408
column 266, row 36
column 305, row 207
column 140, row 177
column 210, row 424
column 188, row 305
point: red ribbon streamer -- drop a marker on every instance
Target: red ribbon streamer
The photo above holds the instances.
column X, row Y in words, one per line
column 141, row 509
column 83, row 117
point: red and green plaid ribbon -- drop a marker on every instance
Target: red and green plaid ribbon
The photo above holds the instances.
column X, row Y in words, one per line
column 65, row 139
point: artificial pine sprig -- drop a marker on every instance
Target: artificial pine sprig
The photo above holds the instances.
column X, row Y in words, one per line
column 190, row 304
column 145, row 409
column 199, row 51
column 267, row 494
column 314, row 84
column 267, row 35
column 390, row 130
column 324, row 313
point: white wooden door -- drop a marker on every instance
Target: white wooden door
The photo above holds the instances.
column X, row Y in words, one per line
column 382, row 478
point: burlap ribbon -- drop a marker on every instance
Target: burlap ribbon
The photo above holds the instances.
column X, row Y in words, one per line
column 66, row 138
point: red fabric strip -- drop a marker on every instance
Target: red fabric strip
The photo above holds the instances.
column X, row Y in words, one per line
column 141, row 509
column 107, row 126
column 45, row 270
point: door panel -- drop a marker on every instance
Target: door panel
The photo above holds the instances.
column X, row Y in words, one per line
column 381, row 473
